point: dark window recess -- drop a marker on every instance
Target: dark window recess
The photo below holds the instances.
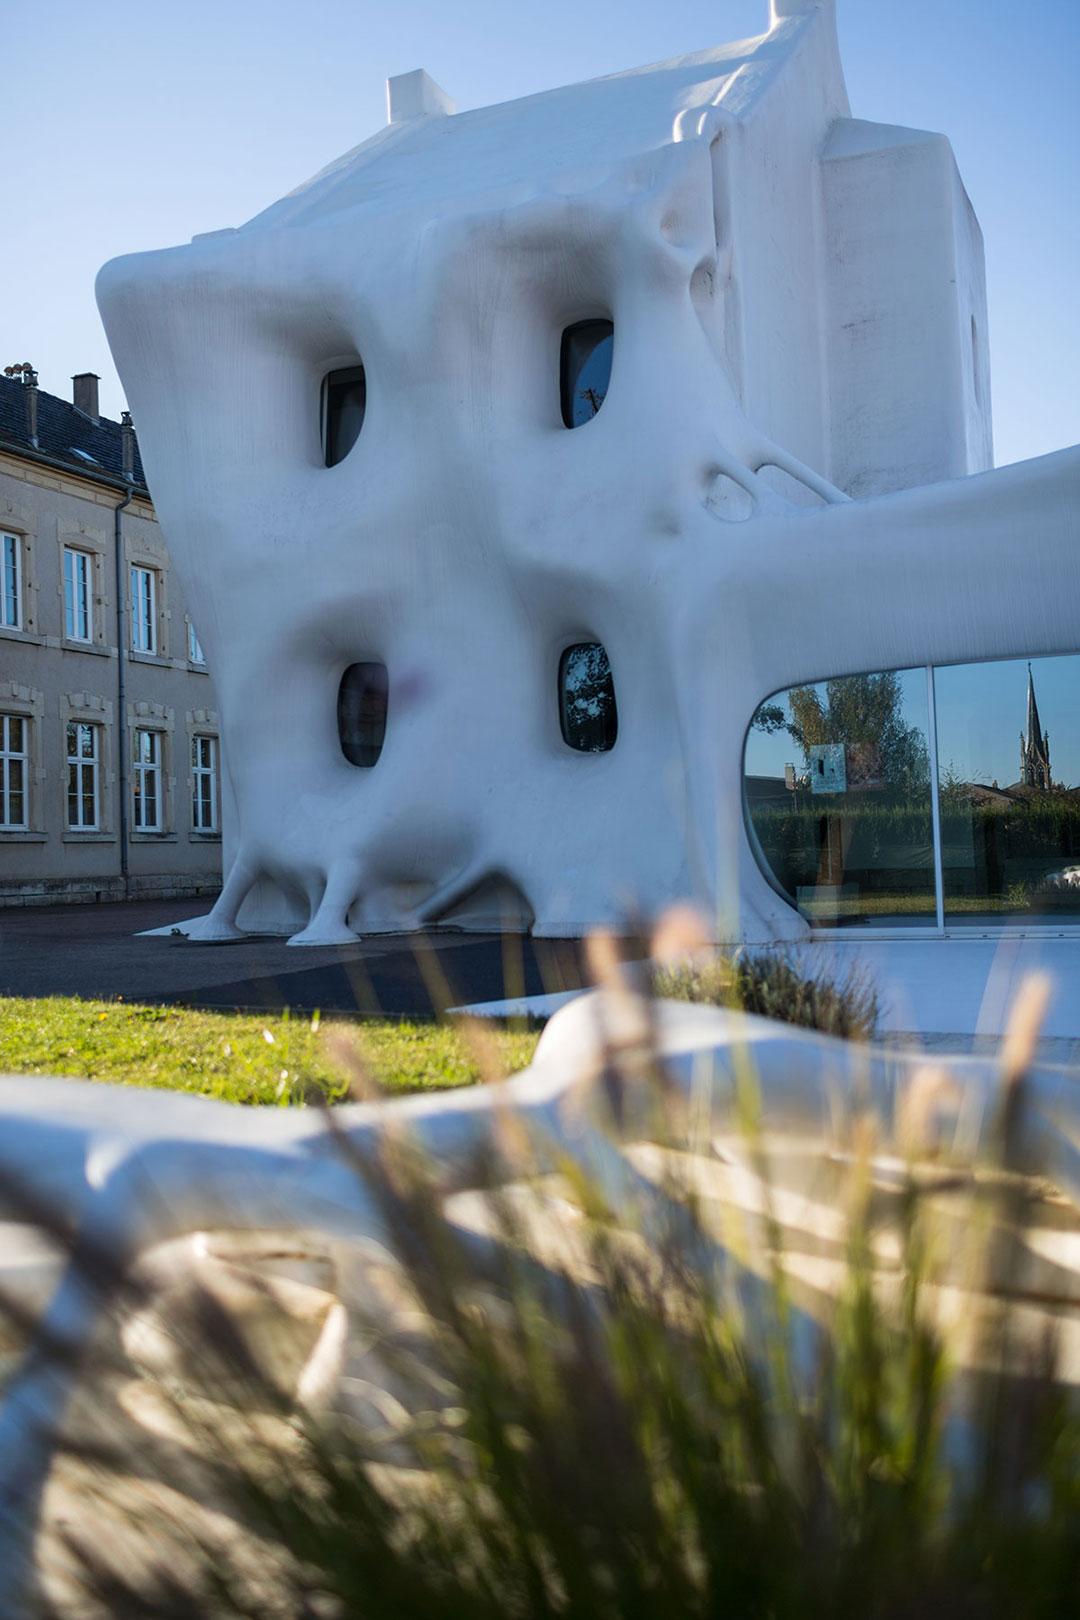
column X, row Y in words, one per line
column 361, row 712
column 344, row 403
column 587, row 713
column 585, row 370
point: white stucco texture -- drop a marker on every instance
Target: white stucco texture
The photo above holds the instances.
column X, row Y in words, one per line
column 793, row 296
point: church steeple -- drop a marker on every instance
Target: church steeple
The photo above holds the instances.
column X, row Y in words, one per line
column 1035, row 746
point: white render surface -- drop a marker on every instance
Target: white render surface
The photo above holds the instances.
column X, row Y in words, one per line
column 799, row 317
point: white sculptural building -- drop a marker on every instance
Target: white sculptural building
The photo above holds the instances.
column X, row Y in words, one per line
column 585, row 504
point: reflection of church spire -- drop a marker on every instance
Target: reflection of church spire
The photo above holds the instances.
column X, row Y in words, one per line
column 1035, row 747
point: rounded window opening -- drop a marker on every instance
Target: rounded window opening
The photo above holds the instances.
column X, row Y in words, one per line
column 585, row 370
column 361, row 712
column 587, row 712
column 344, row 402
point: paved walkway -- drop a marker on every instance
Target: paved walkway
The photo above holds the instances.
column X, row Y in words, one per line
column 95, row 951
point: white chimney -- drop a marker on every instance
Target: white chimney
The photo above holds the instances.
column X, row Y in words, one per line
column 415, row 95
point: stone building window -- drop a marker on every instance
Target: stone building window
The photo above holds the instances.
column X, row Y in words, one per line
column 78, row 595
column 204, row 784
column 195, row 652
column 11, row 611
column 84, row 766
column 14, row 765
column 146, row 780
column 143, row 609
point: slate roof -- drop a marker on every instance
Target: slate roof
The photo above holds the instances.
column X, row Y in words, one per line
column 62, row 431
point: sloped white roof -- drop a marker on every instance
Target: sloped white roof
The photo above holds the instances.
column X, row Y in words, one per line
column 540, row 139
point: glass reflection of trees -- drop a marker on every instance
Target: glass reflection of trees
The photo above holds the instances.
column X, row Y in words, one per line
column 587, row 712
column 846, row 832
column 849, row 834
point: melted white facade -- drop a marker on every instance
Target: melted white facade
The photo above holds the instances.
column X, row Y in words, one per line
column 768, row 495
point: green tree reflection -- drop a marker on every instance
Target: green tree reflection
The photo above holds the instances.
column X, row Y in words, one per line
column 863, row 709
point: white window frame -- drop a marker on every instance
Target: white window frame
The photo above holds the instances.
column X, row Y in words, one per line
column 10, row 757
column 204, row 783
column 78, row 594
column 86, row 768
column 146, row 780
column 194, row 646
column 11, row 603
column 143, row 609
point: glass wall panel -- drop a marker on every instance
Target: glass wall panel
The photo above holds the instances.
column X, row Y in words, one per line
column 837, row 780
column 1009, row 769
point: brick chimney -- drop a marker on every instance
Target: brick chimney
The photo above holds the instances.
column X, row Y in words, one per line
column 86, row 393
column 127, row 447
column 30, row 392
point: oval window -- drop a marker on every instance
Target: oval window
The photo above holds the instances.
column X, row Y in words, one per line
column 585, row 370
column 361, row 712
column 587, row 712
column 344, row 401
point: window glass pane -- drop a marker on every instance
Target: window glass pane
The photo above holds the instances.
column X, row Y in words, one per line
column 585, row 370
column 837, row 779
column 15, row 734
column 361, row 712
column 344, row 407
column 10, row 608
column 1009, row 766
column 69, row 594
column 587, row 711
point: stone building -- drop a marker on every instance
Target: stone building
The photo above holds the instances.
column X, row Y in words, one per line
column 109, row 748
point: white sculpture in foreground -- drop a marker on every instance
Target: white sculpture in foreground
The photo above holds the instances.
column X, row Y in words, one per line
column 126, row 1170
column 796, row 305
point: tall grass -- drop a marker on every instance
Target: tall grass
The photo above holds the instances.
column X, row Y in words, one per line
column 569, row 1406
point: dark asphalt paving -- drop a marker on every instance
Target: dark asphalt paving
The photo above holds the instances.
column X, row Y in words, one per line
column 95, row 952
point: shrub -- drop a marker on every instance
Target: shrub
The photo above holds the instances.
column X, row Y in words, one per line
column 775, row 984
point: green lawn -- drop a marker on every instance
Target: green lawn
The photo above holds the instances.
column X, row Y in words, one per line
column 240, row 1057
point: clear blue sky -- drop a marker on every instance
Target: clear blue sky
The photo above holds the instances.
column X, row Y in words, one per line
column 136, row 126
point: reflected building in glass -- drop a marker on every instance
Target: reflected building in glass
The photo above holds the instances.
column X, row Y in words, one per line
column 898, row 808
